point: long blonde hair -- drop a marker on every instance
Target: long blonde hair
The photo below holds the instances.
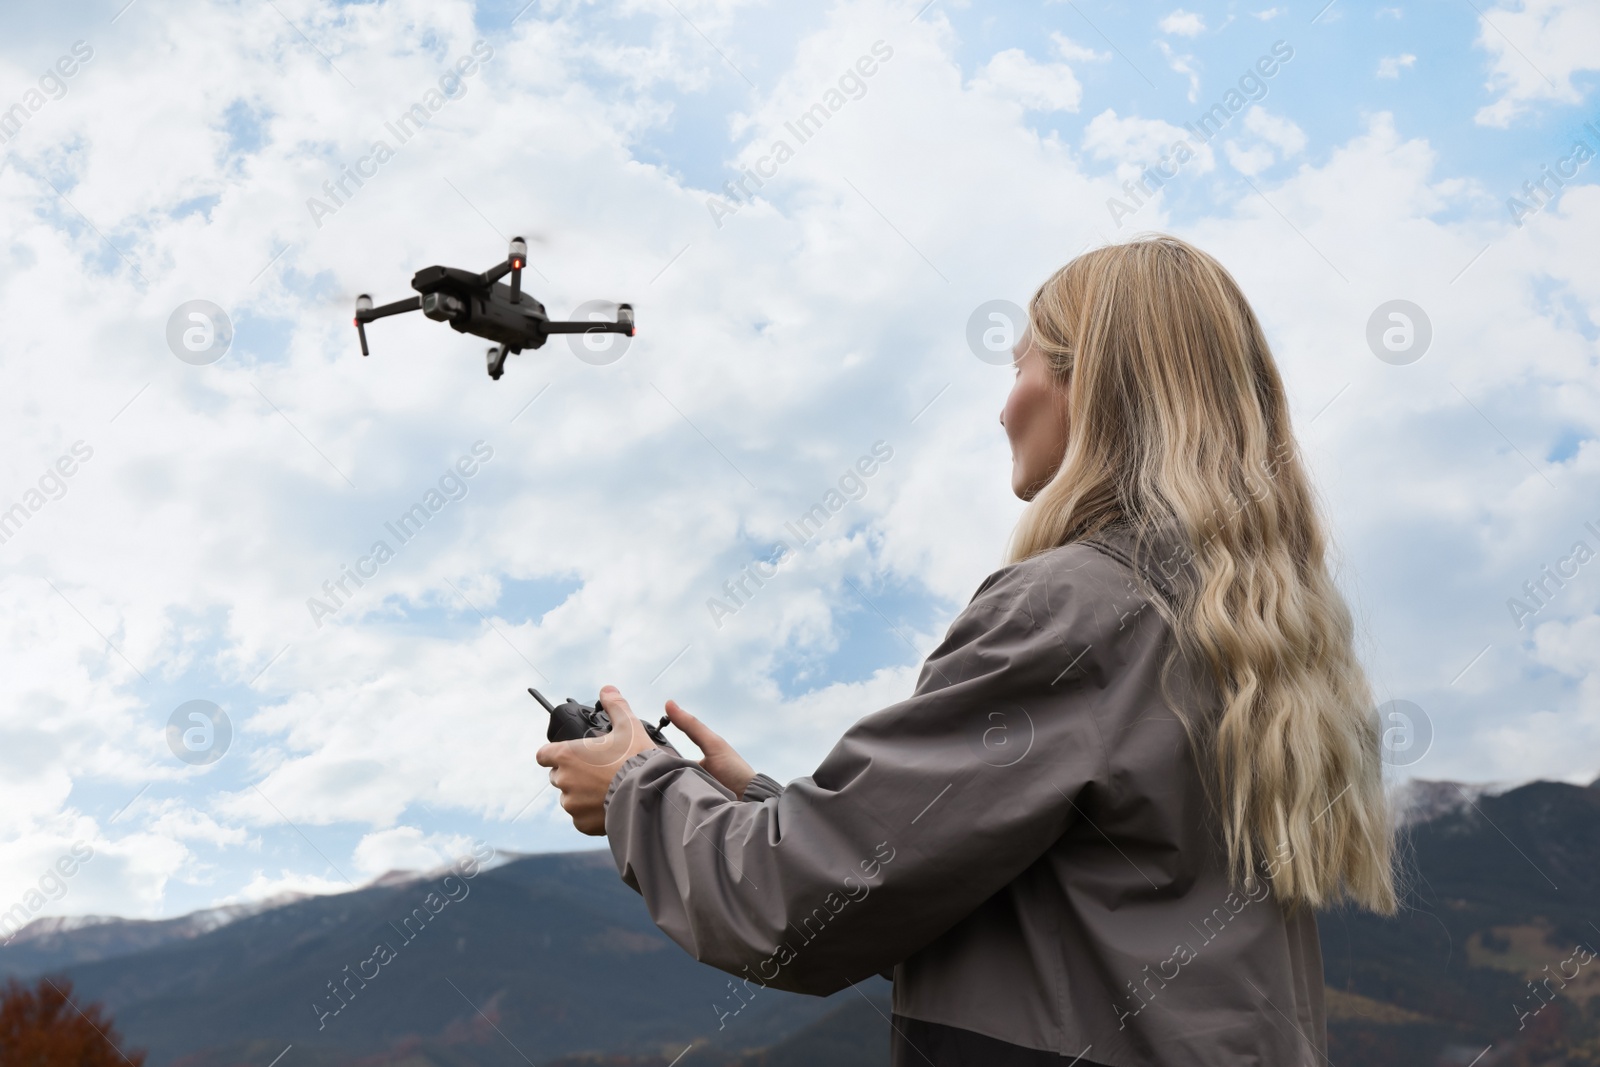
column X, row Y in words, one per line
column 1177, row 421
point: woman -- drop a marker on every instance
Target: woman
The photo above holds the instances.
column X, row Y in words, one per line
column 1142, row 755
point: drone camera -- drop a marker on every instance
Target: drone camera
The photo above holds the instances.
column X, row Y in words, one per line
column 442, row 307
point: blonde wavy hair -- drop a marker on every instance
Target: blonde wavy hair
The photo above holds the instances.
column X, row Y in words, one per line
column 1177, row 421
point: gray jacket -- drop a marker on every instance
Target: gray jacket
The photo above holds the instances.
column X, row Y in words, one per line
column 1024, row 841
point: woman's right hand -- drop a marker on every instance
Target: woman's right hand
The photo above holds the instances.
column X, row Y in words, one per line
column 721, row 762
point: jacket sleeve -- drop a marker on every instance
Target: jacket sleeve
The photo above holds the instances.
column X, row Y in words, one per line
column 761, row 788
column 919, row 814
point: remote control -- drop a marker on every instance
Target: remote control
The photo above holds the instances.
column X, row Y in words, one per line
column 570, row 721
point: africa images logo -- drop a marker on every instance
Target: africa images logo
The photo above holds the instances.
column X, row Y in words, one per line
column 199, row 732
column 199, row 332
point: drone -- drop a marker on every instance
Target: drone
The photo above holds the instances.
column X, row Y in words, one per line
column 482, row 305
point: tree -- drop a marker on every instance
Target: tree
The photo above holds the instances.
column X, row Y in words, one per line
column 42, row 1027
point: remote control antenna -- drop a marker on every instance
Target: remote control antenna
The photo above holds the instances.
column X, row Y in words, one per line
column 540, row 698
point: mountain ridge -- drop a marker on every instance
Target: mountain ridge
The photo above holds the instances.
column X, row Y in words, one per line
column 550, row 957
column 1416, row 801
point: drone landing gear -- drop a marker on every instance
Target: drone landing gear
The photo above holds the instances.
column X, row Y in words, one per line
column 497, row 361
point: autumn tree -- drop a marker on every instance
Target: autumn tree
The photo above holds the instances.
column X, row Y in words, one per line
column 41, row 1026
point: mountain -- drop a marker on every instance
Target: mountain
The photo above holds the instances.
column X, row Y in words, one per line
column 1487, row 957
column 552, row 960
column 1421, row 801
column 56, row 943
column 543, row 957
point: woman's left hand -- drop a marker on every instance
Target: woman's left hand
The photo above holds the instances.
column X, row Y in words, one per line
column 582, row 770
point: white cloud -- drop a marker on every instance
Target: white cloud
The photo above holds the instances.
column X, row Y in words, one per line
column 1071, row 50
column 1249, row 159
column 286, row 885
column 1134, row 143
column 1391, row 66
column 1269, row 138
column 1573, row 648
column 179, row 560
column 1269, row 14
column 1535, row 50
column 409, row 848
column 1183, row 64
column 1182, row 23
column 1038, row 86
column 1276, row 130
column 175, row 819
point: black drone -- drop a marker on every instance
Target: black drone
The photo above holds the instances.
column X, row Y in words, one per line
column 481, row 304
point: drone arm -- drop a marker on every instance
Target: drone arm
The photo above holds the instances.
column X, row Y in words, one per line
column 365, row 314
column 515, row 260
column 410, row 303
column 623, row 325
column 589, row 327
column 494, row 273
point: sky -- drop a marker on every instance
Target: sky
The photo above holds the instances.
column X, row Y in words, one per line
column 200, row 454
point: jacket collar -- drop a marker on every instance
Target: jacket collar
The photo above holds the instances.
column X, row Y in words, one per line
column 1161, row 556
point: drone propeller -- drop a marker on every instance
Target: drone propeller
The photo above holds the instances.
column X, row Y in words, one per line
column 518, row 258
